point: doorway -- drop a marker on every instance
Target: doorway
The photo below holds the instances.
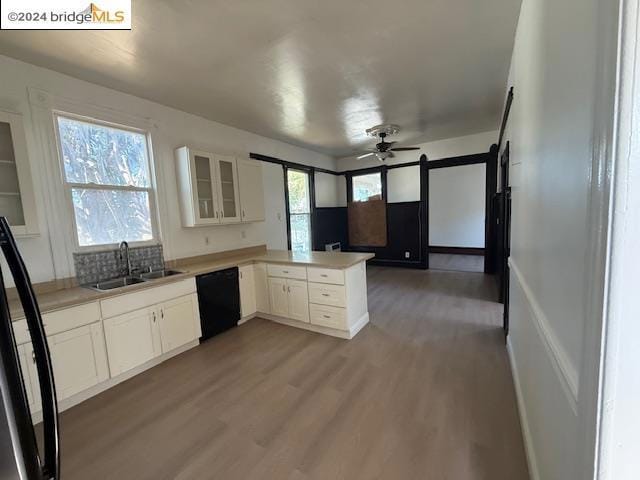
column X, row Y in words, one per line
column 298, row 193
column 504, row 234
column 457, row 214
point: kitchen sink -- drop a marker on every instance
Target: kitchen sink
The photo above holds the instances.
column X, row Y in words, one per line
column 116, row 283
column 132, row 280
column 160, row 274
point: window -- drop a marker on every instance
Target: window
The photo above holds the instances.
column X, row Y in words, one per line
column 108, row 180
column 299, row 199
column 367, row 187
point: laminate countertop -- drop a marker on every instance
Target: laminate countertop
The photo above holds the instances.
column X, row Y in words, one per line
column 69, row 297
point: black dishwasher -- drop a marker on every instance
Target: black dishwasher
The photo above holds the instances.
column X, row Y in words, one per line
column 219, row 301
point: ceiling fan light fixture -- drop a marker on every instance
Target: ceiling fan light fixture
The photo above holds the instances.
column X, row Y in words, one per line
column 387, row 129
column 382, row 156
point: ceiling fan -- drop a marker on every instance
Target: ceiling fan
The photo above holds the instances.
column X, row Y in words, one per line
column 384, row 149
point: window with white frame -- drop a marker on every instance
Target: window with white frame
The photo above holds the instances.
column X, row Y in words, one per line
column 107, row 175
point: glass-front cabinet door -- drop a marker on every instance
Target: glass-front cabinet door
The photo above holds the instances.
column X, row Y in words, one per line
column 17, row 201
column 204, row 188
column 228, row 193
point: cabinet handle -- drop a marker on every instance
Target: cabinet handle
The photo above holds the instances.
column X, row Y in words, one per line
column 154, row 317
column 326, row 316
column 243, row 213
column 325, row 294
column 284, row 289
column 285, row 271
column 216, row 214
column 162, row 313
column 323, row 275
column 289, row 289
column 221, row 213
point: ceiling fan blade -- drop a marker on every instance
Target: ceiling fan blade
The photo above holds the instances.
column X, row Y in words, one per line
column 404, row 149
column 364, row 155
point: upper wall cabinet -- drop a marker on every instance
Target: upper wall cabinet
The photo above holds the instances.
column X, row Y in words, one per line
column 17, row 201
column 251, row 190
column 214, row 189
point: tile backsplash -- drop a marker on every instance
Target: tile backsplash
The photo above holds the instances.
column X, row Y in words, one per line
column 93, row 267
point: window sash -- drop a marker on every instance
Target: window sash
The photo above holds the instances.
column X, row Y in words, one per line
column 353, row 184
column 69, row 186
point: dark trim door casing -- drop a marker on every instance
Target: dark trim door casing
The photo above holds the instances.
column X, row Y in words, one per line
column 312, row 201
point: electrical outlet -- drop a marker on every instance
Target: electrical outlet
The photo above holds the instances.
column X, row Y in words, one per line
column 407, row 255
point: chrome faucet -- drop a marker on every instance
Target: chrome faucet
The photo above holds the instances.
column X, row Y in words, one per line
column 124, row 251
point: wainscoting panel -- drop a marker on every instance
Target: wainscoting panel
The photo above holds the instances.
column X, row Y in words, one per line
column 545, row 390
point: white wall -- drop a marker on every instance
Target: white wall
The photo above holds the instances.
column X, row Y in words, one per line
column 403, row 184
column 457, row 206
column 48, row 256
column 550, row 129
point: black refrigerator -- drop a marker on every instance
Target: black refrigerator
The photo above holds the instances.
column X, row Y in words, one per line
column 20, row 455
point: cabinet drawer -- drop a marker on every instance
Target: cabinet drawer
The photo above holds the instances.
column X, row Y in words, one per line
column 325, row 294
column 325, row 316
column 69, row 318
column 326, row 275
column 284, row 271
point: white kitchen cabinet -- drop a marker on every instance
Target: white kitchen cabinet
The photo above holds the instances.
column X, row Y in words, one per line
column 179, row 322
column 298, row 298
column 79, row 359
column 247, row 291
column 218, row 189
column 278, row 296
column 79, row 362
column 197, row 187
column 289, row 298
column 261, row 288
column 228, row 191
column 17, row 199
column 30, row 376
column 251, row 190
column 132, row 339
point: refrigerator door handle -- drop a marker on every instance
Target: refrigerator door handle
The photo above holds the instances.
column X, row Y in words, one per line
column 50, row 421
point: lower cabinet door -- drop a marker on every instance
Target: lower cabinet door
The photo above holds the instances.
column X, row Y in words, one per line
column 177, row 323
column 132, row 339
column 30, row 376
column 261, row 287
column 247, row 291
column 279, row 297
column 79, row 359
column 298, row 300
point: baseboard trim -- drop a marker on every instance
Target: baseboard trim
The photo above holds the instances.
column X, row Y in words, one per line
column 344, row 334
column 565, row 370
column 456, row 250
column 529, row 449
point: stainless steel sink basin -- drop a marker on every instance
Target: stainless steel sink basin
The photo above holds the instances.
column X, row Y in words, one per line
column 160, row 274
column 116, row 283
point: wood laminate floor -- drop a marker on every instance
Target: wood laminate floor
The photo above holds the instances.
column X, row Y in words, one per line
column 456, row 262
column 423, row 392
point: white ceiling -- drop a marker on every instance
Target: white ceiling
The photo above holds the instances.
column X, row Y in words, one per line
column 308, row 72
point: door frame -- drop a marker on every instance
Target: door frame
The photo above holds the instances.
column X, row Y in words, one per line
column 312, row 201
